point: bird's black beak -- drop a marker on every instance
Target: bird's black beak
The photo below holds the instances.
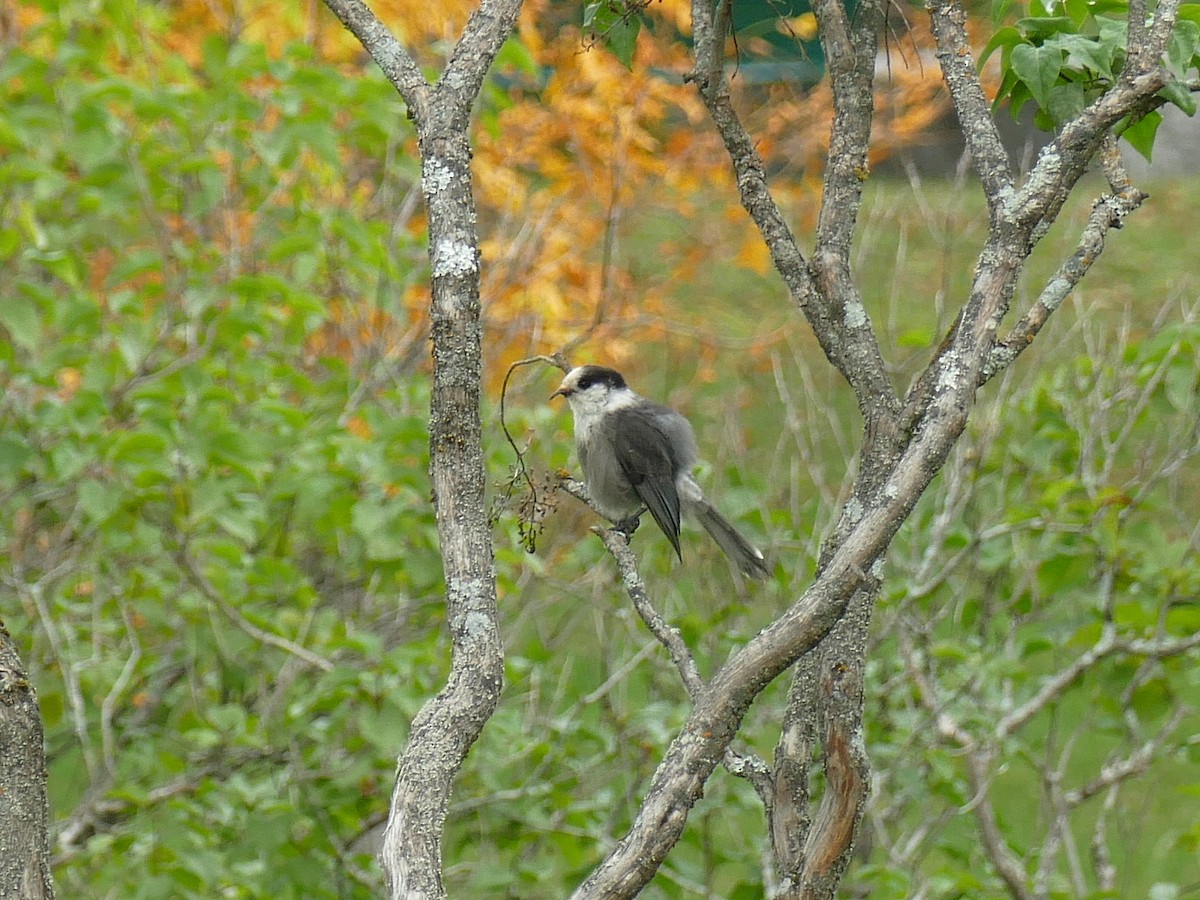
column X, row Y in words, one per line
column 561, row 392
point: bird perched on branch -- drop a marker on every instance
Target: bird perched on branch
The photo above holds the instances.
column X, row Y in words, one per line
column 638, row 455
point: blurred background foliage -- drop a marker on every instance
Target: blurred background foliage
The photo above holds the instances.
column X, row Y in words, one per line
column 219, row 556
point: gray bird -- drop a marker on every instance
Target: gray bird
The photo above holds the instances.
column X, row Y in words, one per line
column 636, row 455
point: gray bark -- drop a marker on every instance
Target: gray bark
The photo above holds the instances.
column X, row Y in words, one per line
column 449, row 724
column 24, row 811
column 906, row 441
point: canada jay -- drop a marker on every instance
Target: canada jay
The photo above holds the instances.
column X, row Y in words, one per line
column 638, row 455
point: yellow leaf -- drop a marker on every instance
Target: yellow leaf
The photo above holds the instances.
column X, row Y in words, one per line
column 754, row 255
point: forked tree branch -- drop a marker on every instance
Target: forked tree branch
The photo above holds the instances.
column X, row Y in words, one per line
column 447, row 725
column 899, row 470
column 825, row 296
column 1020, row 218
column 1108, row 212
column 978, row 765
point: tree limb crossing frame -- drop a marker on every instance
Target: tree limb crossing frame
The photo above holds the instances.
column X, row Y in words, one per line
column 906, row 438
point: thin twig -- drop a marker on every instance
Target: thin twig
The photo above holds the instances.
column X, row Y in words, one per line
column 970, row 103
column 1107, row 213
column 739, row 763
column 108, row 706
column 210, row 593
column 669, row 636
column 1108, row 645
column 1134, row 764
column 533, row 508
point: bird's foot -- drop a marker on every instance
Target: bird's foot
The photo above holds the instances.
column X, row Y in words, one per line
column 628, row 525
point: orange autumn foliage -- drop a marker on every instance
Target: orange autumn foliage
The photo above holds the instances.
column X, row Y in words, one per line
column 572, row 151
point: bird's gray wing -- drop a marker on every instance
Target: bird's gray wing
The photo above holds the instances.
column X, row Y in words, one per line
column 646, row 459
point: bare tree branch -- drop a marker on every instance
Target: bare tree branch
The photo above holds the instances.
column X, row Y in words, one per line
column 841, row 661
column 1106, row 872
column 974, row 111
column 1108, row 645
column 978, row 763
column 850, row 55
column 1007, row 863
column 1107, row 212
column 838, row 319
column 102, row 812
column 389, row 54
column 1135, row 763
column 742, row 765
column 792, row 821
column 617, row 544
column 1064, row 160
column 447, row 725
column 689, row 761
column 824, row 706
column 1021, row 218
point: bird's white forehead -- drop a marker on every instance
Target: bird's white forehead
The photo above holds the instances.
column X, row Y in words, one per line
column 571, row 379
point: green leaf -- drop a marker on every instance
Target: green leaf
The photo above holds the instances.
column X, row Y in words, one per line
column 616, row 25
column 22, row 320
column 1180, row 387
column 622, row 39
column 1189, row 12
column 99, row 500
column 1018, row 97
column 228, row 717
column 1103, row 7
column 1042, row 28
column 1087, row 53
column 1038, row 68
column 1140, row 135
column 1179, row 94
column 1066, row 102
column 377, row 524
column 1114, row 32
column 1007, row 37
column 1077, row 10
column 14, row 453
column 1182, row 46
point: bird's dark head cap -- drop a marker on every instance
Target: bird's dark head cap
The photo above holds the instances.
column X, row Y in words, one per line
column 583, row 377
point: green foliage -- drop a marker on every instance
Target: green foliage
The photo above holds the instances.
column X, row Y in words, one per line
column 1063, row 514
column 1062, row 56
column 616, row 23
column 220, row 554
column 198, row 451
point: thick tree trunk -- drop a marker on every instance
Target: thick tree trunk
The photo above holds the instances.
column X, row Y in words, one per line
column 24, row 811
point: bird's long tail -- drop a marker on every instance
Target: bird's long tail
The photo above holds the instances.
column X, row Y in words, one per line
column 749, row 559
